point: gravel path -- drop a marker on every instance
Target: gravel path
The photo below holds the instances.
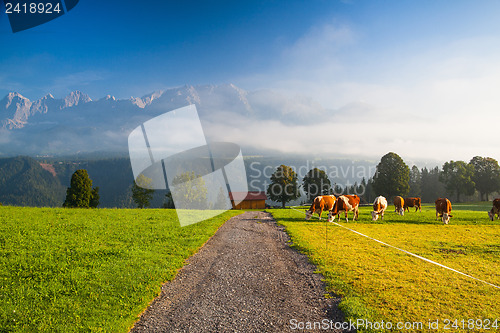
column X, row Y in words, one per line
column 245, row 279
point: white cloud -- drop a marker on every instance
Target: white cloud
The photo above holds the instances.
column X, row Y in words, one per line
column 438, row 102
column 418, row 140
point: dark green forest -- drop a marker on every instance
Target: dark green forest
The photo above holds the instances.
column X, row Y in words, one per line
column 23, row 182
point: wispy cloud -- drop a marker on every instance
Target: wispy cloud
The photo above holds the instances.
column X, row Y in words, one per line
column 75, row 81
column 439, row 101
column 318, row 49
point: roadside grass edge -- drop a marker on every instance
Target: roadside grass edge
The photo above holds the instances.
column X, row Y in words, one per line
column 239, row 212
column 351, row 304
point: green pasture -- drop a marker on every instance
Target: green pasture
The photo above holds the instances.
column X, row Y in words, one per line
column 381, row 283
column 89, row 270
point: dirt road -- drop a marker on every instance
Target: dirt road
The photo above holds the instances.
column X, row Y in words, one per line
column 245, row 279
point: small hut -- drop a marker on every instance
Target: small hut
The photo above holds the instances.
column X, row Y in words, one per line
column 250, row 200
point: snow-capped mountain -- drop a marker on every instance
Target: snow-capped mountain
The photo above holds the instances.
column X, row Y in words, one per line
column 18, row 109
column 78, row 123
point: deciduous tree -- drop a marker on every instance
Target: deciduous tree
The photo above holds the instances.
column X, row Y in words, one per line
column 392, row 176
column 191, row 191
column 315, row 183
column 486, row 175
column 284, row 185
column 457, row 177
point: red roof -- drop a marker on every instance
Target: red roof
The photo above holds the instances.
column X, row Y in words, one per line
column 251, row 195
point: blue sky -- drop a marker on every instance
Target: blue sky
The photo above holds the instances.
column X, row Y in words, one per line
column 413, row 72
column 124, row 48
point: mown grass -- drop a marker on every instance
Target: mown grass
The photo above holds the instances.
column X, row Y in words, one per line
column 381, row 283
column 81, row 270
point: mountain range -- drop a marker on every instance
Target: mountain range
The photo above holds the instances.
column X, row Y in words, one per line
column 76, row 123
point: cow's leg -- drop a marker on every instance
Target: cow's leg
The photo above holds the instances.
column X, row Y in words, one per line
column 356, row 213
column 346, row 219
column 382, row 217
column 320, row 212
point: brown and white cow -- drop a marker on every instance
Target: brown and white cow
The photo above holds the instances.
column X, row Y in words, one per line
column 443, row 209
column 345, row 203
column 413, row 202
column 495, row 210
column 321, row 203
column 398, row 205
column 379, row 207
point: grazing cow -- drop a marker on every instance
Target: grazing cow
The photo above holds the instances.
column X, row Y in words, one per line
column 398, row 205
column 495, row 210
column 345, row 203
column 413, row 202
column 320, row 203
column 379, row 207
column 443, row 209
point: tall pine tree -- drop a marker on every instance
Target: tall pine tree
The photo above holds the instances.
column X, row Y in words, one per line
column 80, row 193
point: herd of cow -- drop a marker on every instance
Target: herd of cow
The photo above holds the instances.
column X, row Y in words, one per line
column 348, row 203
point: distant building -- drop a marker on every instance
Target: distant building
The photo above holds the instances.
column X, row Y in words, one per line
column 251, row 200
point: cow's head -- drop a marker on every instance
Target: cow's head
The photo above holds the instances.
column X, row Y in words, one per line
column 309, row 214
column 374, row 216
column 401, row 211
column 446, row 218
column 491, row 215
column 330, row 216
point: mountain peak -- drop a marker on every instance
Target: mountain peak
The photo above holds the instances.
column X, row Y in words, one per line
column 146, row 100
column 18, row 110
column 74, row 98
column 108, row 98
column 10, row 96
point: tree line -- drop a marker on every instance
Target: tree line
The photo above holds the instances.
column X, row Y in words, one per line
column 394, row 177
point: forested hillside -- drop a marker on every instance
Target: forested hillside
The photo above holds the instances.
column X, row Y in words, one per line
column 23, row 182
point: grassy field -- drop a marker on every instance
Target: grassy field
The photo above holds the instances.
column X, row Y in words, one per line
column 81, row 270
column 381, row 283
